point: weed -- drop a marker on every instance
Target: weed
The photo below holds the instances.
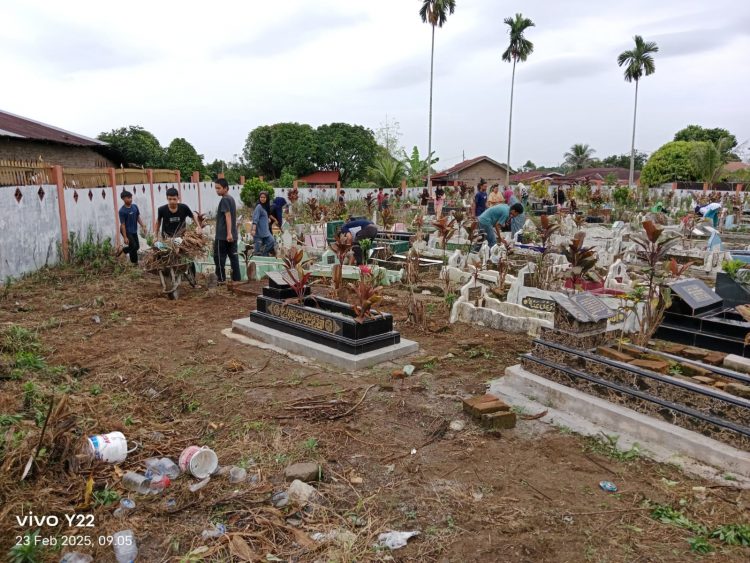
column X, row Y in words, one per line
column 28, row 550
column 518, row 409
column 429, row 366
column 564, row 429
column 192, row 406
column 29, row 361
column 105, row 497
column 699, row 544
column 30, row 396
column 17, row 339
column 450, row 299
column 115, row 316
column 311, row 444
column 729, row 477
column 256, row 425
column 91, row 253
column 281, row 458
column 608, row 447
column 733, row 534
column 128, row 421
column 9, row 419
column 95, row 389
column 668, row 515
column 675, row 369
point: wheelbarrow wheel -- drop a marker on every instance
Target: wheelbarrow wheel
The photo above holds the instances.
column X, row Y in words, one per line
column 190, row 274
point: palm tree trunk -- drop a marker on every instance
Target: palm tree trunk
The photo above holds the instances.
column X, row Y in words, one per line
column 510, row 124
column 429, row 136
column 632, row 142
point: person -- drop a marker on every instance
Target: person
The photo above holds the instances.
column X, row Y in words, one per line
column 130, row 218
column 225, row 242
column 524, row 195
column 342, row 200
column 424, row 198
column 509, row 196
column 171, row 219
column 262, row 238
column 495, row 197
column 439, row 200
column 386, row 203
column 497, row 215
column 357, row 230
column 381, row 196
column 480, row 199
column 277, row 211
column 710, row 211
column 560, row 196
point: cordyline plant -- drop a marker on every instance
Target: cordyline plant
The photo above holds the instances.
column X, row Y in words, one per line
column 544, row 271
column 341, row 246
column 370, row 203
column 295, row 275
column 446, row 227
column 582, row 260
column 366, row 294
column 388, row 218
column 473, row 234
column 653, row 246
column 315, row 209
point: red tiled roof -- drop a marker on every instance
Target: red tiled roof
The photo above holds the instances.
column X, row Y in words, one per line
column 464, row 165
column 533, row 175
column 23, row 128
column 321, row 177
column 735, row 166
column 601, row 173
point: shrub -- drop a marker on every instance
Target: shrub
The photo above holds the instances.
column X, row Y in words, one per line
column 251, row 191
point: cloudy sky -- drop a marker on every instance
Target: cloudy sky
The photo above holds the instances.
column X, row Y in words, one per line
column 212, row 71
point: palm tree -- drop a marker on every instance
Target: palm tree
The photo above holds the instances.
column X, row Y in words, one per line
column 434, row 12
column 579, row 156
column 387, row 172
column 638, row 62
column 519, row 49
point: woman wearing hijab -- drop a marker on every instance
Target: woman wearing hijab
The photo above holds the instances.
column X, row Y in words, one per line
column 439, row 200
column 263, row 240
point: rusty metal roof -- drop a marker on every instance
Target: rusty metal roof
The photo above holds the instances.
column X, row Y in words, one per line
column 18, row 127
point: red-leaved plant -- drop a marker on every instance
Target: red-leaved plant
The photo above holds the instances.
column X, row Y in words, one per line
column 366, row 294
column 295, row 275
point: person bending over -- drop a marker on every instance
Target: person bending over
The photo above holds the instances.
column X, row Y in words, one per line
column 497, row 215
column 358, row 230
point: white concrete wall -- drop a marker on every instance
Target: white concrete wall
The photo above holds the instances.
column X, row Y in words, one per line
column 92, row 209
column 29, row 230
column 350, row 194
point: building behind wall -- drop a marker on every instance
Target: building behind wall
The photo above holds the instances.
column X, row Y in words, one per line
column 26, row 140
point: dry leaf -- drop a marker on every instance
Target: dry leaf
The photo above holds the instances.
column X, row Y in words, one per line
column 239, row 549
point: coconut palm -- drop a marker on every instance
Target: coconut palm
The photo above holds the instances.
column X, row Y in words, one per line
column 387, row 172
column 579, row 156
column 637, row 62
column 518, row 49
column 434, row 12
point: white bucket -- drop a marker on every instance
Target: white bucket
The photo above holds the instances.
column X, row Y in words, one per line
column 109, row 448
column 200, row 462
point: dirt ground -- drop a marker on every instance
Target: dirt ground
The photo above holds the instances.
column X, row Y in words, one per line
column 162, row 372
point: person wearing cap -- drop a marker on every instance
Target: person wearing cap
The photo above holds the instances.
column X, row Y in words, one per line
column 263, row 240
column 225, row 242
column 497, row 215
column 130, row 218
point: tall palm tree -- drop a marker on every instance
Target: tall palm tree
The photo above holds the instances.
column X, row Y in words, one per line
column 579, row 156
column 434, row 12
column 637, row 62
column 387, row 172
column 518, row 49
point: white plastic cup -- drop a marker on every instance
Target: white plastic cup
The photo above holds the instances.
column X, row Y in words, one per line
column 109, row 448
column 199, row 462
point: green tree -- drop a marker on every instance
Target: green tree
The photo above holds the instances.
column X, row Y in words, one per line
column 528, row 167
column 579, row 156
column 271, row 148
column 637, row 62
column 519, row 49
column 435, row 13
column 233, row 171
column 417, row 168
column 709, row 158
column 350, row 149
column 387, row 172
column 137, row 146
column 287, row 178
column 623, row 160
column 672, row 162
column 251, row 191
column 182, row 156
column 714, row 135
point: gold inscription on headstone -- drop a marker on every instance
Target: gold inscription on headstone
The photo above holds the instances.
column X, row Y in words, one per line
column 538, row 304
column 304, row 317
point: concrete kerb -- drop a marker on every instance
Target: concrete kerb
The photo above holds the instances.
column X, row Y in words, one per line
column 283, row 342
column 588, row 415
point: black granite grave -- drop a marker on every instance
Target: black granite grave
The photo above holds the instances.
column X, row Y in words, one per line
column 731, row 291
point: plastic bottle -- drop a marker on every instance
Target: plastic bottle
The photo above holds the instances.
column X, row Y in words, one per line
column 126, row 548
column 76, row 557
column 162, row 466
column 158, row 484
column 237, row 474
column 136, row 482
column 126, row 506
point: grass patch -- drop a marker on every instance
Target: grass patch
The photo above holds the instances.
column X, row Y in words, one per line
column 16, row 340
column 607, row 446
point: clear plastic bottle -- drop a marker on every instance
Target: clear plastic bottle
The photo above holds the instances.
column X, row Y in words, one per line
column 136, row 482
column 162, row 466
column 125, row 546
column 76, row 557
column 126, row 507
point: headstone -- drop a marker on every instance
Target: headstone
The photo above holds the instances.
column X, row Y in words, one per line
column 456, row 259
column 276, row 279
column 328, row 258
column 693, row 297
column 594, row 307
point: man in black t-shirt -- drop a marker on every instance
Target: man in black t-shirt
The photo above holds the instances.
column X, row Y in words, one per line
column 171, row 219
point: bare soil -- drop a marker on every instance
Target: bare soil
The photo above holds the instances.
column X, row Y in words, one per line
column 162, row 372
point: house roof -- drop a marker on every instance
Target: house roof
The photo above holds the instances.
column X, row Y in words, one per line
column 464, row 165
column 321, row 177
column 735, row 166
column 601, row 173
column 534, row 175
column 18, row 127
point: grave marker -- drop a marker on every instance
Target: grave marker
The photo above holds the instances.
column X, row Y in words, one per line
column 694, row 297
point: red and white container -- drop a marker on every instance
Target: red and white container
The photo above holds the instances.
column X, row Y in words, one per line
column 199, row 461
column 109, row 448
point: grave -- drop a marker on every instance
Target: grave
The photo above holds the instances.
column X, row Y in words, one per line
column 321, row 328
column 699, row 317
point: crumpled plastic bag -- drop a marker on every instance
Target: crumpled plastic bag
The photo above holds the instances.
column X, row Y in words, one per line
column 395, row 540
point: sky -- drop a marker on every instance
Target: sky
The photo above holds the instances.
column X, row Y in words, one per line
column 213, row 71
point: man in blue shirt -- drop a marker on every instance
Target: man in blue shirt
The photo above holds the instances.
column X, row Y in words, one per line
column 277, row 210
column 130, row 218
column 480, row 199
column 497, row 215
column 357, row 230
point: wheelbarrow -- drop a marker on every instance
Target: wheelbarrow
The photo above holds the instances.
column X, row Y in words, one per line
column 171, row 278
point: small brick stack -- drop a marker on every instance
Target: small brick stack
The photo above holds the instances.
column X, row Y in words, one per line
column 490, row 412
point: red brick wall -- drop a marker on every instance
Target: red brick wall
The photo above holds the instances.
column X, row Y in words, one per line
column 65, row 155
